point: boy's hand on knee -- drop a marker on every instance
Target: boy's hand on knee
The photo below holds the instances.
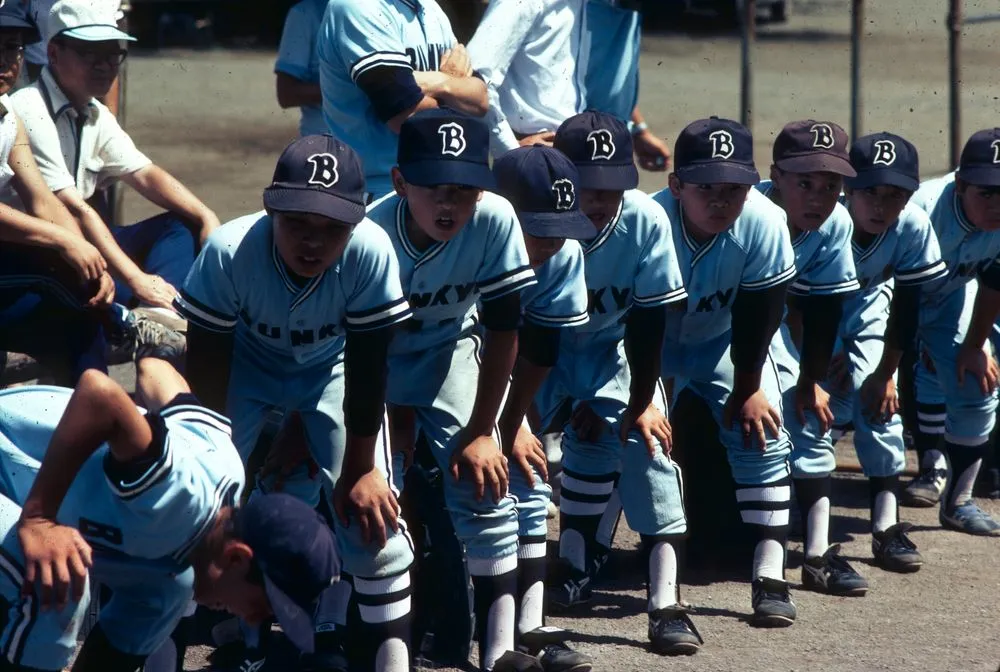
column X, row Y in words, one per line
column 755, row 416
column 977, row 362
column 652, row 424
column 370, row 498
column 57, row 557
column 482, row 460
column 586, row 423
column 879, row 398
column 528, row 452
column 810, row 396
column 154, row 291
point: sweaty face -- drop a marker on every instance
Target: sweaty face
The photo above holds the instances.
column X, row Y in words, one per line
column 439, row 213
column 981, row 205
column 807, row 198
column 541, row 250
column 11, row 55
column 87, row 68
column 875, row 209
column 225, row 585
column 600, row 206
column 309, row 243
column 710, row 209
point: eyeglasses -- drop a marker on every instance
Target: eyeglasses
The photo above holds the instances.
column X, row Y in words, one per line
column 11, row 53
column 93, row 57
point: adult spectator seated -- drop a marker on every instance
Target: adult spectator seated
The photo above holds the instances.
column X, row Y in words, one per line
column 80, row 148
column 297, row 69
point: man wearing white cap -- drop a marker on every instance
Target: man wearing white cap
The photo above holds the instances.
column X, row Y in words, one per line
column 80, row 148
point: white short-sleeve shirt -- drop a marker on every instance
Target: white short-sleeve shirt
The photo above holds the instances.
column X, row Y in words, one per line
column 86, row 149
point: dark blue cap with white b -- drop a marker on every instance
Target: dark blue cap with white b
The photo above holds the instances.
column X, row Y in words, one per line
column 14, row 15
column 980, row 162
column 715, row 151
column 600, row 146
column 441, row 146
column 541, row 183
column 296, row 552
column 884, row 159
column 319, row 174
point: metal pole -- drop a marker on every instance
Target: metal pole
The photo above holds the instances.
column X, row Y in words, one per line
column 857, row 26
column 116, row 193
column 748, row 26
column 955, row 80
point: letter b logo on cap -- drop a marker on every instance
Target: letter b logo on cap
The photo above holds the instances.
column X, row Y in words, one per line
column 996, row 150
column 885, row 152
column 324, row 170
column 822, row 136
column 722, row 144
column 565, row 194
column 602, row 145
column 452, row 138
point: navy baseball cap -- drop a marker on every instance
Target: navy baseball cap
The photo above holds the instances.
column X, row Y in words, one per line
column 297, row 555
column 441, row 146
column 980, row 162
column 541, row 183
column 715, row 151
column 13, row 16
column 884, row 158
column 812, row 146
column 600, row 146
column 321, row 175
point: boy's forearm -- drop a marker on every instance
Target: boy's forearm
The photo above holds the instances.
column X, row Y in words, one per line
column 527, row 379
column 644, row 330
column 499, row 353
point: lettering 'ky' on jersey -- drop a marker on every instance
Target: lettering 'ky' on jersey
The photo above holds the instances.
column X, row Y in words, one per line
column 907, row 252
column 357, row 36
column 239, row 283
column 159, row 515
column 754, row 254
column 559, row 297
column 631, row 262
column 486, row 260
column 823, row 261
column 966, row 250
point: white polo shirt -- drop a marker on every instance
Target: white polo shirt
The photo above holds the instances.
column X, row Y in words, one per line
column 88, row 150
column 532, row 55
column 8, row 134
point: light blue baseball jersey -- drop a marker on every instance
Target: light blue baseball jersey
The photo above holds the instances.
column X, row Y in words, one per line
column 559, row 297
column 823, row 261
column 486, row 260
column 613, row 34
column 240, row 284
column 965, row 249
column 755, row 253
column 631, row 262
column 357, row 36
column 297, row 57
column 907, row 252
column 142, row 530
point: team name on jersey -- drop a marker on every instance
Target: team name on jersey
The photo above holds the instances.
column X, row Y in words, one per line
column 297, row 337
column 440, row 297
column 618, row 298
column 716, row 301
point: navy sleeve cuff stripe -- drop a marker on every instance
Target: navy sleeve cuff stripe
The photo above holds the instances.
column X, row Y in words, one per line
column 784, row 276
column 512, row 286
column 660, row 299
column 920, row 275
column 392, row 59
column 496, row 282
column 556, row 320
column 210, row 320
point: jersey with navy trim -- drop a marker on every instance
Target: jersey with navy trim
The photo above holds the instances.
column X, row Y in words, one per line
column 823, row 261
column 631, row 262
column 907, row 253
column 159, row 515
column 966, row 250
column 486, row 260
column 297, row 57
column 357, row 36
column 559, row 297
column 240, row 283
column 754, row 254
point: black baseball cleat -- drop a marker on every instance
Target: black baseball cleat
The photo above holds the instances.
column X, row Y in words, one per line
column 548, row 645
column 671, row 632
column 772, row 604
column 833, row 575
column 925, row 490
column 894, row 551
column 570, row 587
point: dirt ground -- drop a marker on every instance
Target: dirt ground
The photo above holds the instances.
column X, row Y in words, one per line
column 211, row 119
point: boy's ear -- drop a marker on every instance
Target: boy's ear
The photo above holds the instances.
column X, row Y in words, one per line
column 675, row 184
column 236, row 553
column 398, row 182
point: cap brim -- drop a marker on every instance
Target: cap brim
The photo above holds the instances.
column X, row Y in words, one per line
column 29, row 33
column 288, row 199
column 573, row 225
column 298, row 626
column 718, row 172
column 97, row 33
column 461, row 173
column 817, row 163
column 981, row 176
column 882, row 176
column 609, row 177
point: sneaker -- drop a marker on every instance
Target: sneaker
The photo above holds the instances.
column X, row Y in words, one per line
column 772, row 604
column 831, row 574
column 165, row 316
column 926, row 489
column 548, row 645
column 235, row 657
column 570, row 589
column 551, row 510
column 328, row 654
column 149, row 338
column 894, row 551
column 671, row 632
column 969, row 518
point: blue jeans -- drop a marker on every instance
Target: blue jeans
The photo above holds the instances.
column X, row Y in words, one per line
column 160, row 245
column 42, row 313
